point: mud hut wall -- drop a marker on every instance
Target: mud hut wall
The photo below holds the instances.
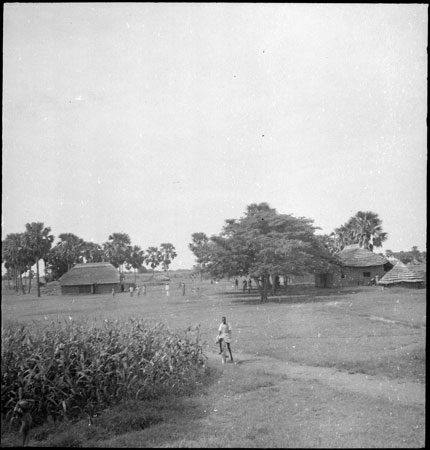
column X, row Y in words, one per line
column 358, row 276
column 70, row 290
column 107, row 288
column 88, row 289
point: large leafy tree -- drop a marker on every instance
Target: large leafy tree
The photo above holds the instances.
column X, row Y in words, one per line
column 70, row 247
column 200, row 246
column 136, row 259
column 92, row 252
column 153, row 257
column 117, row 249
column 16, row 257
column 65, row 254
column 38, row 240
column 364, row 229
column 168, row 253
column 264, row 244
column 56, row 263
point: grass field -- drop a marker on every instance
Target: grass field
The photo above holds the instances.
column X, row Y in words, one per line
column 314, row 368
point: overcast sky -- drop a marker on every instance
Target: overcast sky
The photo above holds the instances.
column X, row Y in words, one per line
column 161, row 120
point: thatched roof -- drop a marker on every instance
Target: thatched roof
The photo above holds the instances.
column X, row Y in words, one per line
column 355, row 256
column 400, row 274
column 91, row 273
column 418, row 268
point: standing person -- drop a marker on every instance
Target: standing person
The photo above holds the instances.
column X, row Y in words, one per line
column 224, row 334
column 244, row 285
column 249, row 286
column 138, row 291
column 144, row 289
column 167, row 289
column 113, row 292
column 183, row 288
column 236, row 283
column 130, row 289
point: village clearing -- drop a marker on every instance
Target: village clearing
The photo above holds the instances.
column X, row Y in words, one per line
column 313, row 368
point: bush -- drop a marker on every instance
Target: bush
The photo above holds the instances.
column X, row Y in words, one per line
column 71, row 370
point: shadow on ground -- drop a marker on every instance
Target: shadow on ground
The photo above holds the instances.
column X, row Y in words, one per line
column 292, row 295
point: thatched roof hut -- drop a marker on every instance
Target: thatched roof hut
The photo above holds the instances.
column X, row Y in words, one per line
column 400, row 275
column 90, row 278
column 359, row 266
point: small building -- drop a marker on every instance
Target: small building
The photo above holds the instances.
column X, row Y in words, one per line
column 401, row 275
column 90, row 278
column 358, row 267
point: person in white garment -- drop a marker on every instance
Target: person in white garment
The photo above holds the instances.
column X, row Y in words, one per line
column 224, row 334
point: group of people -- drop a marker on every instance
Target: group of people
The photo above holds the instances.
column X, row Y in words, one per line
column 131, row 290
column 246, row 284
column 137, row 289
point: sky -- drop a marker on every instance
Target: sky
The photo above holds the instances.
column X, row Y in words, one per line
column 160, row 120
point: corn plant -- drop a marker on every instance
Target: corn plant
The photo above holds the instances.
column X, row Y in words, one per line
column 73, row 369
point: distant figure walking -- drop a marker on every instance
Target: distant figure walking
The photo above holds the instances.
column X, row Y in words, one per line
column 244, row 285
column 113, row 292
column 131, row 291
column 183, row 288
column 138, row 291
column 236, row 283
column 167, row 290
column 249, row 286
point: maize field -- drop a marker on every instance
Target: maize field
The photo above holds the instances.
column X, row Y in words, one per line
column 73, row 369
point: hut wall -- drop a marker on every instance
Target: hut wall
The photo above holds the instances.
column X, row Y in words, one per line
column 107, row 288
column 358, row 276
column 88, row 289
column 70, row 290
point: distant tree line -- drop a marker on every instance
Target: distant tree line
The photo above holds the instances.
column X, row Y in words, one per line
column 264, row 245
column 411, row 256
column 21, row 251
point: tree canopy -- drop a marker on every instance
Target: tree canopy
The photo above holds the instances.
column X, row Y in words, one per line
column 264, row 244
column 168, row 253
column 364, row 229
column 199, row 246
column 37, row 237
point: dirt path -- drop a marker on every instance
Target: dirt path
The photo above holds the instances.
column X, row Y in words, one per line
column 404, row 392
column 264, row 402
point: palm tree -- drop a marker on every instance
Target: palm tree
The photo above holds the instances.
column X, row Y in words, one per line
column 153, row 257
column 342, row 237
column 39, row 240
column 168, row 254
column 364, row 229
column 367, row 230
